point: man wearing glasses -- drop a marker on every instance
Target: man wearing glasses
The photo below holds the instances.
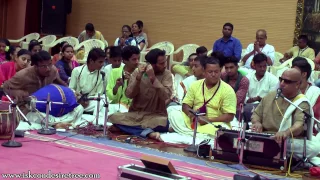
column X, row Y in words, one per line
column 31, row 79
column 277, row 116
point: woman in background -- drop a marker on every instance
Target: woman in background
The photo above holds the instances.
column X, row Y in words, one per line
column 65, row 65
column 58, row 56
column 138, row 36
column 126, row 38
column 9, row 69
column 4, row 50
column 140, row 24
column 34, row 47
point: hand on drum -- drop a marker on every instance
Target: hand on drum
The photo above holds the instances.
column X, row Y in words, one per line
column 257, row 127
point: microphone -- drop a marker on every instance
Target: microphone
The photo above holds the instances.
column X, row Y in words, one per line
column 201, row 114
column 103, row 74
column 279, row 91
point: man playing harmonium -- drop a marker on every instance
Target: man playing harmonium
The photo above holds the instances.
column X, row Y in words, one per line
column 275, row 115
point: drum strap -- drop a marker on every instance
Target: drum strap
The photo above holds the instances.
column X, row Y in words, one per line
column 93, row 86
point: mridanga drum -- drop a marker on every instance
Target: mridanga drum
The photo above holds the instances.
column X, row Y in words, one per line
column 6, row 120
column 58, row 93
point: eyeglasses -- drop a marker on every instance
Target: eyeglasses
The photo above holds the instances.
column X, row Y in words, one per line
column 45, row 66
column 286, row 81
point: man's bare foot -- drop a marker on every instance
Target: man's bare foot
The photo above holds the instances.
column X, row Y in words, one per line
column 113, row 129
column 155, row 135
column 170, row 129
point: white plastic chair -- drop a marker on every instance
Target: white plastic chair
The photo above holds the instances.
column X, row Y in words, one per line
column 165, row 45
column 24, row 41
column 71, row 40
column 106, row 43
column 47, row 40
column 209, row 53
column 277, row 57
column 187, row 50
column 88, row 45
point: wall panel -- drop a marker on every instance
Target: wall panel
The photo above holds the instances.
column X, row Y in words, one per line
column 189, row 21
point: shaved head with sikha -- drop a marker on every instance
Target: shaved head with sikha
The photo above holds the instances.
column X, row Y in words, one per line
column 290, row 82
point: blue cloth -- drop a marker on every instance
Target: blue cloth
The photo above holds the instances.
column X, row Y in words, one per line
column 317, row 83
column 64, row 73
column 139, row 131
column 58, row 93
column 230, row 48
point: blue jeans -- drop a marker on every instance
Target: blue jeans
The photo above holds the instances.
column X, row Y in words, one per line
column 139, row 131
column 317, row 83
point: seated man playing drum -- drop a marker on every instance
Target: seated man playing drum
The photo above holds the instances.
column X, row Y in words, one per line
column 31, row 79
column 275, row 114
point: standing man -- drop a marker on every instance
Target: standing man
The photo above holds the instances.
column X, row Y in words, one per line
column 149, row 88
column 230, row 46
column 259, row 46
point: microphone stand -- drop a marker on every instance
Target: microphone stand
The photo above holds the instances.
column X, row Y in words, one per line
column 13, row 108
column 46, row 130
column 106, row 106
column 242, row 137
column 307, row 117
column 193, row 148
column 97, row 126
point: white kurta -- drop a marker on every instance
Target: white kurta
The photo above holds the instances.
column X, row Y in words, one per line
column 268, row 50
column 83, row 81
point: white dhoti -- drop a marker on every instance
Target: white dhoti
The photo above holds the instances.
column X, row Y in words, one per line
column 35, row 118
column 296, row 145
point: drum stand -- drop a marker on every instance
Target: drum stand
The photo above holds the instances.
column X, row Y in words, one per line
column 46, row 130
column 13, row 108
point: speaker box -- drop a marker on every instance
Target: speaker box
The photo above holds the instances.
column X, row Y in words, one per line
column 54, row 16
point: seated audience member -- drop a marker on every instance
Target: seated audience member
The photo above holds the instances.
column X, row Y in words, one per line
column 140, row 24
column 59, row 55
column 126, row 38
column 4, row 50
column 87, row 80
column 236, row 80
column 34, row 47
column 14, row 54
column 311, row 92
column 65, row 65
column 301, row 50
column 90, row 33
column 149, row 88
column 118, row 81
column 211, row 96
column 278, row 116
column 87, row 34
column 198, row 73
column 230, row 46
column 261, row 83
column 115, row 60
column 106, row 60
column 317, row 62
column 201, row 51
column 9, row 69
column 185, row 68
column 138, row 36
column 29, row 80
column 258, row 47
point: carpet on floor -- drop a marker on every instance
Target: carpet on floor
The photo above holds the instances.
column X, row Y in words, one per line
column 41, row 154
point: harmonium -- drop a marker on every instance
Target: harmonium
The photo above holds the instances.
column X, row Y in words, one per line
column 259, row 149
